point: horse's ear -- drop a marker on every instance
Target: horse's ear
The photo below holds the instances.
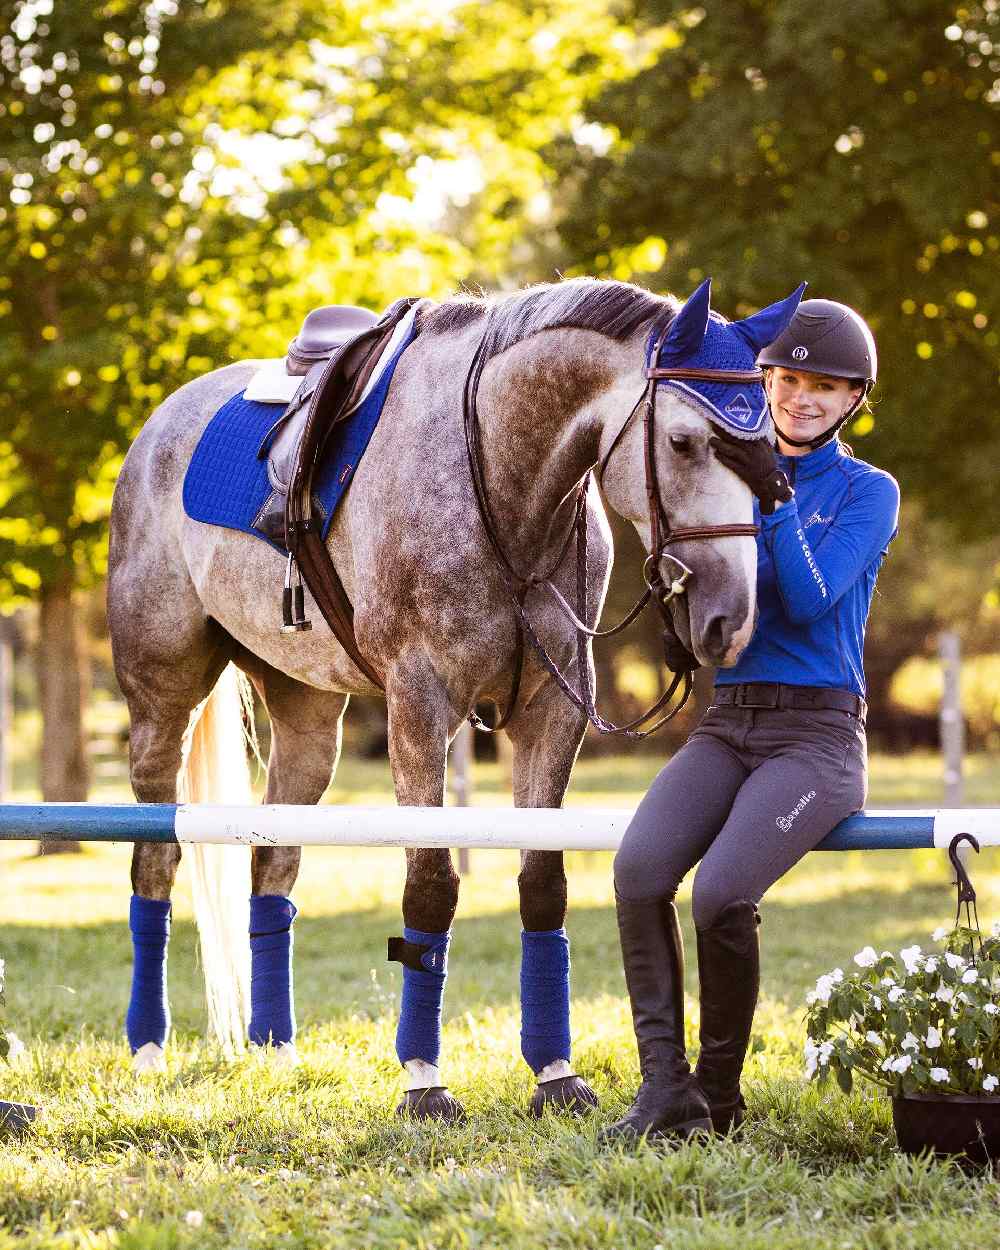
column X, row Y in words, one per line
column 687, row 330
column 765, row 326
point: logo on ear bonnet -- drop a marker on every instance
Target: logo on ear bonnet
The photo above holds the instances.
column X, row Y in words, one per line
column 800, row 353
column 739, row 409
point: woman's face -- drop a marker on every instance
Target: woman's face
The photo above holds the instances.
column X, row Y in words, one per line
column 806, row 405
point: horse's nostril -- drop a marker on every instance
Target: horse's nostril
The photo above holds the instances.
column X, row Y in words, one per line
column 717, row 634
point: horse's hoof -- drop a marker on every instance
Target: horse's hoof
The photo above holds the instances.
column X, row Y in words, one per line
column 149, row 1059
column 565, row 1093
column 435, row 1103
column 281, row 1058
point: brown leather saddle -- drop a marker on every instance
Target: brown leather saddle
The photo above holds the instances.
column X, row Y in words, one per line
column 335, row 352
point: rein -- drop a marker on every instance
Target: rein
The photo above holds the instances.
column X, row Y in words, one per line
column 661, row 535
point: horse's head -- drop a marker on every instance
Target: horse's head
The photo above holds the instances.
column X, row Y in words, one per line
column 695, row 516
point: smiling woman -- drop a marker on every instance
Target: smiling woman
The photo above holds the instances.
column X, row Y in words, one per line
column 780, row 757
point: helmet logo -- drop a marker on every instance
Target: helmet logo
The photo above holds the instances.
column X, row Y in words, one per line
column 800, row 353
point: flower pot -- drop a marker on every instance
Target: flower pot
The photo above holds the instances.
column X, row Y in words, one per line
column 15, row 1117
column 948, row 1124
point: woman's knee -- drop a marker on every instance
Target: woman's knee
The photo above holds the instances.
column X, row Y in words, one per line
column 711, row 895
column 640, row 876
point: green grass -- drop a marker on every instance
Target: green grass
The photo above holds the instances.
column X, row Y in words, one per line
column 316, row 1157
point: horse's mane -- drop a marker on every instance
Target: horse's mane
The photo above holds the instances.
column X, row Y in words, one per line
column 616, row 309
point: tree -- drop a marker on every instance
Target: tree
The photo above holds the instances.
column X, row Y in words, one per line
column 854, row 145
column 180, row 180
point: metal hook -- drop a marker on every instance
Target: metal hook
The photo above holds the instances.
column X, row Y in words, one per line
column 966, row 890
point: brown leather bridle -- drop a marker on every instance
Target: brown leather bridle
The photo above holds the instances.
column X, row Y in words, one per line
column 661, row 536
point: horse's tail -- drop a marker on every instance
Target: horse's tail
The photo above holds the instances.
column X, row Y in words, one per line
column 214, row 769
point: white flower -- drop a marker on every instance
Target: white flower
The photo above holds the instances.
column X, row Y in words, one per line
column 902, row 1063
column 975, row 1064
column 866, row 958
column 990, row 1083
column 873, row 1037
column 910, row 955
column 939, row 1074
column 194, row 1219
column 811, row 1055
column 970, row 976
column 824, row 988
column 887, row 1063
column 896, row 993
column 996, row 928
column 944, row 993
column 953, row 960
column 876, row 1002
column 910, row 1042
column 933, row 1039
column 940, row 933
column 811, row 997
column 17, row 1051
column 889, row 980
column 932, row 964
column 825, row 1051
column 991, row 1009
column 3, row 969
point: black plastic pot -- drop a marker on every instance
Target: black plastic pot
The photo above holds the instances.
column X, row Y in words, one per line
column 948, row 1124
column 16, row 1117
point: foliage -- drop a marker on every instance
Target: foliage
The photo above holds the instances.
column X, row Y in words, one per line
column 4, row 1040
column 854, row 145
column 919, row 683
column 928, row 1023
column 181, row 179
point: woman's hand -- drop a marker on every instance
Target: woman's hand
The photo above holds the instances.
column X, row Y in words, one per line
column 753, row 461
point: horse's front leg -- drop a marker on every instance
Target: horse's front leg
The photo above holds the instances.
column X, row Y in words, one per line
column 418, row 746
column 305, row 744
column 546, row 737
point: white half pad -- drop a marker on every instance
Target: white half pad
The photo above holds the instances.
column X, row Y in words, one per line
column 982, row 822
column 272, row 385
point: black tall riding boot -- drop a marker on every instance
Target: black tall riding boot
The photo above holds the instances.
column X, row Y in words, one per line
column 729, row 975
column 668, row 1101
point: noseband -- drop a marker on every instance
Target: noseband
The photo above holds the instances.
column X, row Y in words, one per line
column 661, row 536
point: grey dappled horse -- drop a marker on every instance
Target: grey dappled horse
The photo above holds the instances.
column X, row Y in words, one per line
column 432, row 611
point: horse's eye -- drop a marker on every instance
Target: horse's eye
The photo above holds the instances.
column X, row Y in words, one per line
column 681, row 443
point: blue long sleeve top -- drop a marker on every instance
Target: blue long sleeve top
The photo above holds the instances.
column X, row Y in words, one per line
column 817, row 560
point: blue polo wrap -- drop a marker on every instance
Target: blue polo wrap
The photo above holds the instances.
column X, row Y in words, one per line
column 148, row 1016
column 545, row 1034
column 272, row 1012
column 418, row 1035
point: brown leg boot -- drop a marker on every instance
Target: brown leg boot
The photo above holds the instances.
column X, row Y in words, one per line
column 729, row 975
column 669, row 1102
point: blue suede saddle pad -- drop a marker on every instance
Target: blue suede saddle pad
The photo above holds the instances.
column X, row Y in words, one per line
column 226, row 484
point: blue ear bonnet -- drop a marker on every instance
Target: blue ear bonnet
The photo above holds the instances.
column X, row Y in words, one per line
column 701, row 339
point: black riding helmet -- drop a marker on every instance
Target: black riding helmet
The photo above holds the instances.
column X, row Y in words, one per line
column 825, row 337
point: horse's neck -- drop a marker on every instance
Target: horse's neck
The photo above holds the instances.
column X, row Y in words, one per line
column 541, row 430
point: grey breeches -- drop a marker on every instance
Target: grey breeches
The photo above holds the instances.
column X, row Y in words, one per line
column 750, row 792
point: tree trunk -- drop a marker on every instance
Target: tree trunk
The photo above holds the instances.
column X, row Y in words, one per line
column 60, row 692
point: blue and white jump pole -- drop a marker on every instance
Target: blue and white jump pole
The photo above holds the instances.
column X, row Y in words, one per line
column 544, row 829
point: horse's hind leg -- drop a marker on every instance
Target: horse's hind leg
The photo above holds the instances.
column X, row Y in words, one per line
column 162, row 684
column 546, row 737
column 418, row 745
column 305, row 745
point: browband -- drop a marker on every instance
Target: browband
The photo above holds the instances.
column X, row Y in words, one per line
column 709, row 375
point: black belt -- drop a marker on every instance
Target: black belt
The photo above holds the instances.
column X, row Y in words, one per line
column 773, row 694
